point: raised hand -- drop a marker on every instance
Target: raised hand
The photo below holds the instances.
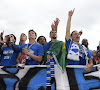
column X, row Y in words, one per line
column 2, row 33
column 1, row 36
column 53, row 26
column 71, row 12
column 56, row 22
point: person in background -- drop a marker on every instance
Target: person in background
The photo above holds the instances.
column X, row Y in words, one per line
column 41, row 40
column 86, row 49
column 8, row 53
column 75, row 52
column 96, row 58
column 23, row 39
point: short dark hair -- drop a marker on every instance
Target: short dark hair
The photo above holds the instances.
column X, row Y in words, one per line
column 40, row 37
column 84, row 40
column 72, row 33
column 32, row 31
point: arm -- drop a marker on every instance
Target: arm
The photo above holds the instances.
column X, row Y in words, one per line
column 1, row 44
column 55, row 24
column 89, row 66
column 18, row 58
column 69, row 24
column 37, row 58
column 15, row 48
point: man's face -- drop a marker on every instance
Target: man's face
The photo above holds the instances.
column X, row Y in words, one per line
column 12, row 38
column 53, row 35
column 32, row 35
column 23, row 37
column 42, row 40
column 75, row 36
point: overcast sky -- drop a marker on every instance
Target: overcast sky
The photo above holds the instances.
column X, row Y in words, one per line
column 18, row 16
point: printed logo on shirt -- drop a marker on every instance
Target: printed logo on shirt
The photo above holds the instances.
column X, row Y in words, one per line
column 8, row 52
column 6, row 57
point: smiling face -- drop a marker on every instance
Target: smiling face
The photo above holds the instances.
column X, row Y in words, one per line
column 42, row 40
column 75, row 36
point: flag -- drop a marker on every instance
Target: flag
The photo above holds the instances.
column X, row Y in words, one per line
column 59, row 50
column 33, row 77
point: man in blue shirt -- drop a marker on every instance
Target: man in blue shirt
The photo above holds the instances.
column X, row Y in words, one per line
column 76, row 54
column 8, row 53
column 32, row 50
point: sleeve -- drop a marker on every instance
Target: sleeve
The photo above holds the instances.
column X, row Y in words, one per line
column 45, row 47
column 15, row 48
column 40, row 50
column 88, row 55
column 1, row 48
column 21, row 47
column 67, row 44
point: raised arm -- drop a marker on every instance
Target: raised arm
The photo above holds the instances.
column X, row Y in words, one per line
column 70, row 13
column 56, row 22
column 15, row 48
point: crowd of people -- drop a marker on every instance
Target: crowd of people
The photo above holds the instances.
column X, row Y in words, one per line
column 37, row 49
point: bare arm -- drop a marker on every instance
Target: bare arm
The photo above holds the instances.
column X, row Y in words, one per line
column 18, row 58
column 69, row 24
column 89, row 66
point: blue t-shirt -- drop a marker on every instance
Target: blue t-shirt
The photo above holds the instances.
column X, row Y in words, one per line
column 82, row 57
column 8, row 58
column 35, row 49
column 47, row 45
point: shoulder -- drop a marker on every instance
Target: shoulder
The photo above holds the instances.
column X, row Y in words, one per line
column 46, row 44
column 38, row 45
column 22, row 46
